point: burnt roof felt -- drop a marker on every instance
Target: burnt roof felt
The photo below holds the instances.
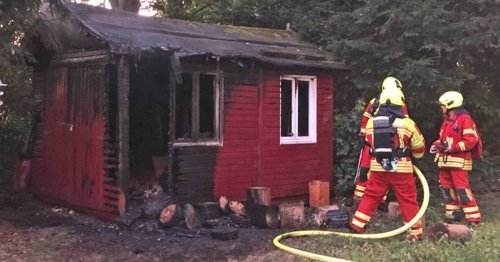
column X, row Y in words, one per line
column 128, row 33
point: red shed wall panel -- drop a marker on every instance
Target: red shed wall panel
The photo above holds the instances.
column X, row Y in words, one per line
column 287, row 169
column 252, row 154
column 236, row 165
column 70, row 165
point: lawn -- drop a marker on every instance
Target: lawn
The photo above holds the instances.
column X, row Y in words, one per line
column 485, row 245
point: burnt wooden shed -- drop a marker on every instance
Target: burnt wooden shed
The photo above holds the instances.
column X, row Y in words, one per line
column 224, row 107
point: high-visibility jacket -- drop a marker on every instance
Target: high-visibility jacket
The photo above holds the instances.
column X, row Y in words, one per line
column 369, row 111
column 460, row 131
column 408, row 135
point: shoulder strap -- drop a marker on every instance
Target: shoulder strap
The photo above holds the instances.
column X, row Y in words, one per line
column 375, row 105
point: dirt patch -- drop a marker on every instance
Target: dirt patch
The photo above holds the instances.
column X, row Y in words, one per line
column 33, row 231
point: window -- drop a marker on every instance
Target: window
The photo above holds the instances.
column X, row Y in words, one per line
column 197, row 109
column 298, row 109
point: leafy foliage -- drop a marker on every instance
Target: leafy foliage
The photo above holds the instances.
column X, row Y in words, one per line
column 16, row 122
column 257, row 13
column 431, row 46
column 16, row 16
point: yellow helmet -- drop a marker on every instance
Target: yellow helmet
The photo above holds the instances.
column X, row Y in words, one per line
column 391, row 82
column 451, row 99
column 393, row 96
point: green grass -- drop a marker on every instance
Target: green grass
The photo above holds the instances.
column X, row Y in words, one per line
column 485, row 245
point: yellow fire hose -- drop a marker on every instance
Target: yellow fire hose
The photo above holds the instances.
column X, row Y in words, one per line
column 298, row 252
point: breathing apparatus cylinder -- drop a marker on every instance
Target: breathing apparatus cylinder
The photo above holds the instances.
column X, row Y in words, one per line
column 383, row 147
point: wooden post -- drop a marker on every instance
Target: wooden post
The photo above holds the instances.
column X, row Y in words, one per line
column 171, row 128
column 123, row 92
column 319, row 193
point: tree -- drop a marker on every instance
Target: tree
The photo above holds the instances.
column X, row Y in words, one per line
column 16, row 16
column 431, row 46
column 126, row 5
column 257, row 13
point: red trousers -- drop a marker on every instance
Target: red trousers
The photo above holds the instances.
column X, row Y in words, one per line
column 457, row 194
column 405, row 190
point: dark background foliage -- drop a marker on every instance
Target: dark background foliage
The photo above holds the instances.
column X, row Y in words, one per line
column 432, row 46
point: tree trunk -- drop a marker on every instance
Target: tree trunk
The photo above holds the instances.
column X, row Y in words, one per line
column 126, row 5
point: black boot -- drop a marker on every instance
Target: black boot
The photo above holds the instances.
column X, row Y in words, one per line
column 384, row 207
column 457, row 216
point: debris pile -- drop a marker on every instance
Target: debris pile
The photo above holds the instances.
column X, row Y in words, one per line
column 152, row 211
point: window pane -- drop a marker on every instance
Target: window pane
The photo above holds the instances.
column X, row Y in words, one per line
column 207, row 105
column 303, row 108
column 286, row 108
column 183, row 106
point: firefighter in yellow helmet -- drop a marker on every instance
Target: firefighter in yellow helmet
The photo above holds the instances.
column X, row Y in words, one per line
column 391, row 82
column 459, row 142
column 393, row 138
column 363, row 170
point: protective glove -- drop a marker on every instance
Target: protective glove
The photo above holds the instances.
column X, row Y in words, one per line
column 363, row 174
column 434, row 149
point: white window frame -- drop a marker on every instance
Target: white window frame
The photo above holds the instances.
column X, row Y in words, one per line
column 295, row 139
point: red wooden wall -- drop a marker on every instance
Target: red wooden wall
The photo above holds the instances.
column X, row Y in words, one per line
column 236, row 161
column 69, row 167
column 252, row 154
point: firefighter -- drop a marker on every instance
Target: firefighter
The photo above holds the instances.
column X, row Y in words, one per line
column 393, row 138
column 364, row 163
column 458, row 138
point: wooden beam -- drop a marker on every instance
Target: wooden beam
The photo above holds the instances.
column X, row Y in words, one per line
column 102, row 56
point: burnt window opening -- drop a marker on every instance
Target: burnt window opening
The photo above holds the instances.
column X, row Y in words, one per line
column 298, row 109
column 196, row 108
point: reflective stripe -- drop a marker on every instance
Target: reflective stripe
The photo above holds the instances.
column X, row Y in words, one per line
column 358, row 223
column 470, row 209
column 403, row 166
column 383, row 149
column 461, row 145
column 359, row 194
column 367, row 114
column 401, row 131
column 452, row 207
column 476, row 215
column 456, row 162
column 362, row 216
column 360, row 188
column 415, row 231
column 469, row 131
column 363, row 131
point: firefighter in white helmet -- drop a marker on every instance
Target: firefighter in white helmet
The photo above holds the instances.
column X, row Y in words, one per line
column 458, row 143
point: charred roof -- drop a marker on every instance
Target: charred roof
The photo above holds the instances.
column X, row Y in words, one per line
column 71, row 26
